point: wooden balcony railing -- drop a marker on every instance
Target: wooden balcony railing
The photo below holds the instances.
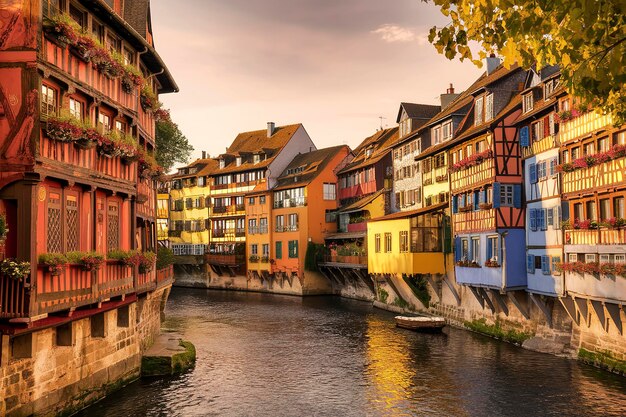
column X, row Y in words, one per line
column 72, row 288
column 583, row 125
column 346, row 259
column 222, row 259
column 468, row 177
column 474, row 221
column 601, row 236
column 603, row 175
column 540, row 146
column 90, row 159
column 165, row 276
column 290, row 202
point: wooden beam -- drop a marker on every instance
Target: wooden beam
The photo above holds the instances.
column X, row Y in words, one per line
column 513, row 298
column 614, row 313
column 543, row 307
column 485, row 296
column 570, row 308
column 497, row 296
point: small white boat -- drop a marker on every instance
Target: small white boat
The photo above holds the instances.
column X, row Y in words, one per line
column 422, row 323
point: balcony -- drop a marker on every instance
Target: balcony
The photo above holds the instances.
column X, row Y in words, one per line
column 240, row 232
column 539, row 146
column 608, row 287
column 594, row 237
column 357, row 227
column 73, row 288
column 474, row 221
column 229, row 210
column 472, row 175
column 598, row 177
column 291, row 202
column 583, row 125
column 253, row 230
column 286, row 228
column 360, row 260
column 225, row 259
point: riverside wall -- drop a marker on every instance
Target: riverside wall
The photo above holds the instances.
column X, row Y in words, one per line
column 59, row 370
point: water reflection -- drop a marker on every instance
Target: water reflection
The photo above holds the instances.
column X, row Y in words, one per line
column 264, row 355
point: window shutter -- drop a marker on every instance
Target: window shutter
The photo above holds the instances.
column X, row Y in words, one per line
column 533, row 219
column 524, row 137
column 552, row 124
column 530, row 264
column 517, row 196
column 279, row 250
column 545, row 264
column 532, row 168
column 546, row 126
column 489, row 249
column 206, row 223
column 457, row 248
column 542, row 216
column 496, row 195
column 476, row 199
column 187, row 225
column 455, row 204
column 556, row 213
column 482, row 196
column 555, row 261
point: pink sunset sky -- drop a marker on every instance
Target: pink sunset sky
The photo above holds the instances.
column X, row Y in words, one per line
column 333, row 65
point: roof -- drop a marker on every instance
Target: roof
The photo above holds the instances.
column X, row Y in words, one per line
column 359, row 204
column 205, row 167
column 411, row 213
column 418, row 111
column 380, row 142
column 247, row 143
column 313, row 163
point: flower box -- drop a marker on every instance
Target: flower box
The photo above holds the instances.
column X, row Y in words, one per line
column 466, row 208
column 485, row 206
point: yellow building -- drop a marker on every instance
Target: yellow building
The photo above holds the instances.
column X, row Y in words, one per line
column 190, row 188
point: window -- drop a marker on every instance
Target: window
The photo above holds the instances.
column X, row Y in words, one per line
column 279, row 250
column 129, row 57
column 537, row 130
column 222, row 163
column 330, row 216
column 478, row 111
column 387, row 242
column 262, row 199
column 266, row 250
column 293, row 221
column 112, row 43
column 98, row 327
column 105, row 121
column 251, row 201
column 592, row 214
column 589, row 148
column 113, row 227
column 48, row 101
column 506, row 195
column 619, row 259
column 404, row 241
column 492, row 248
column 605, row 209
column 528, row 102
column 476, row 250
column 464, row 249
column 330, row 191
column 572, row 257
column 425, row 233
column 556, row 260
column 280, row 223
column 542, row 173
column 590, row 258
column 481, row 146
column 72, row 235
column 488, row 107
column 254, row 249
column 603, row 144
column 238, row 161
column 78, row 16
column 578, row 211
column 618, row 207
column 436, row 134
column 620, row 138
column 488, row 194
column 545, row 265
column 447, row 130
column 377, row 242
column 293, row 248
column 76, row 109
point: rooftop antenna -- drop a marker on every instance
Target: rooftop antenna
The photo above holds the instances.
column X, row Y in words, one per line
column 381, row 121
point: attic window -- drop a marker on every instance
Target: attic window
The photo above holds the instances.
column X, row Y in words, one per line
column 528, row 102
column 238, row 160
column 295, row 170
column 549, row 87
column 256, row 158
column 368, row 152
column 222, row 163
column 193, row 170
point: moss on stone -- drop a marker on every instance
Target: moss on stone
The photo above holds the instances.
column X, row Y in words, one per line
column 184, row 360
column 603, row 359
column 169, row 365
column 496, row 331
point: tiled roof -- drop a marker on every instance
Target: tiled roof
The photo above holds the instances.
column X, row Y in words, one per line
column 248, row 143
column 312, row 163
column 410, row 213
column 418, row 111
column 381, row 142
column 359, row 204
column 204, row 167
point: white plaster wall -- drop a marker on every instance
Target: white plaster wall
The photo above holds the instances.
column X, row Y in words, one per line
column 300, row 142
column 411, row 183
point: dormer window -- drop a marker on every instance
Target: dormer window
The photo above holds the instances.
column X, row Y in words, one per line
column 488, row 107
column 238, row 161
column 222, row 163
column 368, row 152
column 549, row 87
column 436, row 135
column 447, row 130
column 528, row 102
column 478, row 111
column 256, row 158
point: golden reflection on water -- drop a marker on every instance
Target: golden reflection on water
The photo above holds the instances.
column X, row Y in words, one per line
column 397, row 384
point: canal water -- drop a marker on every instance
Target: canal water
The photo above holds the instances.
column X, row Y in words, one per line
column 268, row 355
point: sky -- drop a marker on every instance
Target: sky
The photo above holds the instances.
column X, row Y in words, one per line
column 335, row 66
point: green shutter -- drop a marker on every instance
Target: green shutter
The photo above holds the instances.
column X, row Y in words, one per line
column 279, row 250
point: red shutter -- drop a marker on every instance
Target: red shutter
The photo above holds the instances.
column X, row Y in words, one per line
column 546, row 126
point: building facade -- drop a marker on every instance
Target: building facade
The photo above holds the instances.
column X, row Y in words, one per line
column 78, row 92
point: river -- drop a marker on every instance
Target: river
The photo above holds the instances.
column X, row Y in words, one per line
column 270, row 355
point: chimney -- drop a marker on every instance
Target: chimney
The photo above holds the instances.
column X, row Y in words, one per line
column 492, row 63
column 203, row 154
column 448, row 98
column 270, row 129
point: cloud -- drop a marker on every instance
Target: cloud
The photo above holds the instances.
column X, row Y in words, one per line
column 394, row 33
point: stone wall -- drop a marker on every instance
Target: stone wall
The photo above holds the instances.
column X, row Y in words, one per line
column 63, row 369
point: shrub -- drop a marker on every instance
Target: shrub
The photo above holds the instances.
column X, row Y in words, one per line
column 89, row 261
column 14, row 269
column 54, row 262
column 165, row 257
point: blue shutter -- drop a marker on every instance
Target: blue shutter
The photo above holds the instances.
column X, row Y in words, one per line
column 496, row 195
column 477, row 200
column 530, row 264
column 524, row 137
column 532, row 169
column 457, row 248
column 455, row 204
column 545, row 264
column 489, row 249
column 517, row 195
column 482, row 196
column 533, row 219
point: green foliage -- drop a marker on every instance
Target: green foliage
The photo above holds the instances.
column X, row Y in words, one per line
column 496, row 331
column 165, row 257
column 401, row 302
column 587, row 39
column 604, row 360
column 4, row 230
column 119, row 255
column 314, row 253
column 90, row 261
column 52, row 259
column 172, row 146
column 419, row 286
column 382, row 295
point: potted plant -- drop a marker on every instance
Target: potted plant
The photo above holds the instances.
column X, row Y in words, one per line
column 89, row 261
column 144, row 261
column 64, row 128
column 492, row 263
column 14, row 269
column 265, row 259
column 253, row 258
column 55, row 262
column 63, row 28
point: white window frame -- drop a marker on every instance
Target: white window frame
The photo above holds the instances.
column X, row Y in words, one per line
column 478, row 111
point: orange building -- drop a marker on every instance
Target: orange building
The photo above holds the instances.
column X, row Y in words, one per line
column 304, row 200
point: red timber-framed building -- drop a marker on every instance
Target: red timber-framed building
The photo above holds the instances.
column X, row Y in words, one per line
column 68, row 195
